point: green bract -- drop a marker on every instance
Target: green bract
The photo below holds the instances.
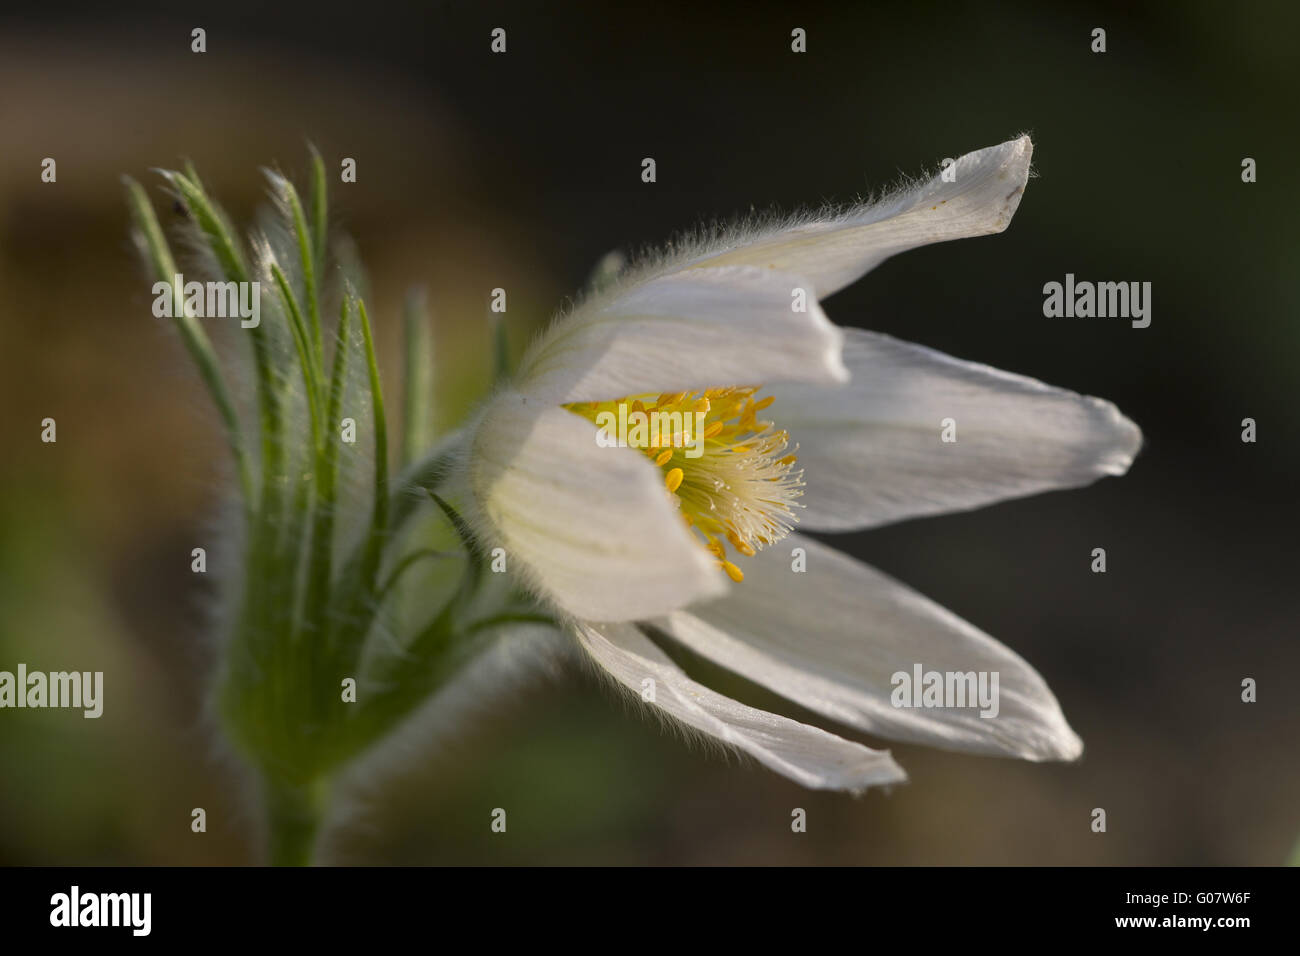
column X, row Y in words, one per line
column 349, row 603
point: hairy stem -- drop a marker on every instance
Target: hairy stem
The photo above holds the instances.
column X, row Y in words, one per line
column 294, row 816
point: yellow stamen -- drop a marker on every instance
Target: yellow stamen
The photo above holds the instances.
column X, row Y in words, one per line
column 743, row 547
column 739, row 486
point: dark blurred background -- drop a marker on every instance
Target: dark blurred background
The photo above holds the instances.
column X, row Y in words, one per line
column 521, row 170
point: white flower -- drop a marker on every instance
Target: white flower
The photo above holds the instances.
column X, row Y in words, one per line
column 628, row 541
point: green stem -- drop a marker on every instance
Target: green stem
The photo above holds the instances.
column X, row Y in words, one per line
column 319, row 212
column 308, row 257
column 295, row 812
column 156, row 249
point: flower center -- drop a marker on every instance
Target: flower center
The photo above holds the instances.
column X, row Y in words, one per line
column 725, row 467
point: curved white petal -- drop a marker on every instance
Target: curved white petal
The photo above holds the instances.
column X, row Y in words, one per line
column 807, row 755
column 872, row 451
column 694, row 330
column 831, row 638
column 982, row 197
column 591, row 529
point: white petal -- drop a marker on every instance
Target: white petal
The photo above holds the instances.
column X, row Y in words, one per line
column 695, row 330
column 807, row 755
column 872, row 452
column 832, row 637
column 592, row 529
column 983, row 196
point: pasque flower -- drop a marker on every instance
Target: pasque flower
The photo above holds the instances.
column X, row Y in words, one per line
column 805, row 425
column 347, row 616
